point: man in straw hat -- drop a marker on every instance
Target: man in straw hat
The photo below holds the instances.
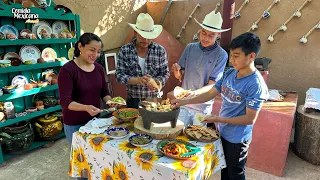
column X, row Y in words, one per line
column 201, row 66
column 141, row 61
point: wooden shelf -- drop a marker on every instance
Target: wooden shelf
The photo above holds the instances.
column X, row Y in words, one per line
column 21, row 42
column 30, row 116
column 31, row 67
column 7, row 97
column 34, row 145
column 48, row 13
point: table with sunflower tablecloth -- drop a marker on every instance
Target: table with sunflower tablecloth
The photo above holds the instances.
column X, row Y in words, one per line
column 97, row 157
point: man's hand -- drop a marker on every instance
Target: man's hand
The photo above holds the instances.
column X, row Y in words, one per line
column 210, row 119
column 92, row 110
column 176, row 71
column 175, row 103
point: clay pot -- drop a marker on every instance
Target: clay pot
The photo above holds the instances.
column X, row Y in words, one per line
column 48, row 127
column 40, row 60
column 16, row 138
column 54, row 81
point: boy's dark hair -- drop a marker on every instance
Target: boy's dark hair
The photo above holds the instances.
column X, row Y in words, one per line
column 85, row 39
column 248, row 42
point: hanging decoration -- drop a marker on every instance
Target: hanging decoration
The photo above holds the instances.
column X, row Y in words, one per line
column 304, row 38
column 195, row 36
column 190, row 16
column 266, row 14
column 237, row 14
column 284, row 27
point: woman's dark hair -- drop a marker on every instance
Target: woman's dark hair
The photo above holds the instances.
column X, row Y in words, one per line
column 85, row 39
column 247, row 42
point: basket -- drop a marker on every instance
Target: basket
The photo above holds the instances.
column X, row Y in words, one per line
column 201, row 140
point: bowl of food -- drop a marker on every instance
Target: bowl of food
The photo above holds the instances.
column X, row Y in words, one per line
column 140, row 140
column 158, row 113
column 118, row 132
column 177, row 149
column 126, row 114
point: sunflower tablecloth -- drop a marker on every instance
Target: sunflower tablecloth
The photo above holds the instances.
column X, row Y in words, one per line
column 99, row 158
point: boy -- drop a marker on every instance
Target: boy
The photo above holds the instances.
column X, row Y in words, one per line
column 243, row 91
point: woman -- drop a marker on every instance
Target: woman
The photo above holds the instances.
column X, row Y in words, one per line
column 82, row 84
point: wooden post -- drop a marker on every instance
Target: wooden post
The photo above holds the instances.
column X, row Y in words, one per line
column 307, row 136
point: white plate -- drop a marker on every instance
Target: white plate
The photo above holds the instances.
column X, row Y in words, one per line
column 45, row 27
column 49, row 55
column 5, row 29
column 20, row 81
column 35, row 26
column 58, row 26
column 30, row 53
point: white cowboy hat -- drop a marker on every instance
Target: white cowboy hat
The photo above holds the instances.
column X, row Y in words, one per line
column 213, row 22
column 145, row 26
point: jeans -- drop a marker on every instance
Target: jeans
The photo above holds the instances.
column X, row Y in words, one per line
column 187, row 116
column 68, row 131
column 236, row 158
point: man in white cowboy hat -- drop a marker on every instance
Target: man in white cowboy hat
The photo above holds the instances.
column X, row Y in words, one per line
column 201, row 66
column 142, row 59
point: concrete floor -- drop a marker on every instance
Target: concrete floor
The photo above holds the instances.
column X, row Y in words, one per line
column 52, row 164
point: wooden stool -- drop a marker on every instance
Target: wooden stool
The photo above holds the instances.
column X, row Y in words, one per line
column 159, row 131
column 307, row 136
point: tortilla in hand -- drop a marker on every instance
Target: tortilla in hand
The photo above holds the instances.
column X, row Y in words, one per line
column 154, row 84
column 117, row 100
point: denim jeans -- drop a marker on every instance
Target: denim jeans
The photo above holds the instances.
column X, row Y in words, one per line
column 68, row 131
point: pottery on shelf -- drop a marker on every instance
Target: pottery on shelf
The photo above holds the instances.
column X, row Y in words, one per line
column 48, row 127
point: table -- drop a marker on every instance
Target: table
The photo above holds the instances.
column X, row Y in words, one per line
column 271, row 134
column 98, row 157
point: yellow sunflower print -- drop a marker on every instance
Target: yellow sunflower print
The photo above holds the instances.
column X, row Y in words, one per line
column 145, row 158
column 107, row 175
column 120, row 172
column 126, row 146
column 84, row 171
column 183, row 138
column 209, row 148
column 215, row 161
column 97, row 141
column 79, row 157
column 189, row 166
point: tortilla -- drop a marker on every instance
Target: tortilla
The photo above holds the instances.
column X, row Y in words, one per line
column 117, row 100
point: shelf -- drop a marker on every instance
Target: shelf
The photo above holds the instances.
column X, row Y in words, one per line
column 6, row 97
column 31, row 67
column 47, row 13
column 34, row 145
column 16, row 42
column 30, row 116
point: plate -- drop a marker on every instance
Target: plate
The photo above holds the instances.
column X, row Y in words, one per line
column 65, row 31
column 30, row 53
column 44, row 27
column 25, row 32
column 162, row 143
column 145, row 136
column 126, row 114
column 5, row 29
column 19, row 81
column 71, row 53
column 35, row 26
column 10, row 55
column 49, row 55
column 58, row 26
column 118, row 132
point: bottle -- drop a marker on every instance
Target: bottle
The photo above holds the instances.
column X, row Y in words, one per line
column 9, row 110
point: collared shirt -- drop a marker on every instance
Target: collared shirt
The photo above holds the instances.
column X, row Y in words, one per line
column 156, row 65
column 200, row 65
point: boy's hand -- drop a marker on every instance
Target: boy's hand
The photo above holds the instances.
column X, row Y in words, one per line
column 210, row 119
column 175, row 103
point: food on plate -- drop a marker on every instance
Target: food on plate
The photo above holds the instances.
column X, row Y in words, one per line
column 117, row 100
column 163, row 106
column 128, row 114
column 201, row 133
column 175, row 148
column 185, row 94
column 140, row 140
column 118, row 133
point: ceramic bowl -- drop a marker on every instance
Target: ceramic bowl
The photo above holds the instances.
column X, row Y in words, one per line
column 146, row 136
column 5, row 63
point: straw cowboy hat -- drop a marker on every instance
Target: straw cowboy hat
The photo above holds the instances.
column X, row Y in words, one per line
column 145, row 26
column 213, row 22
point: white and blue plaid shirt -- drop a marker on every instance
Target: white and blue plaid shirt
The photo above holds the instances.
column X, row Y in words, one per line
column 156, row 65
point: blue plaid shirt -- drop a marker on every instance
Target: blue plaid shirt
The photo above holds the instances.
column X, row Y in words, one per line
column 156, row 65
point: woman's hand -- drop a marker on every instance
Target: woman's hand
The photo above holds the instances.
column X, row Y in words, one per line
column 93, row 111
